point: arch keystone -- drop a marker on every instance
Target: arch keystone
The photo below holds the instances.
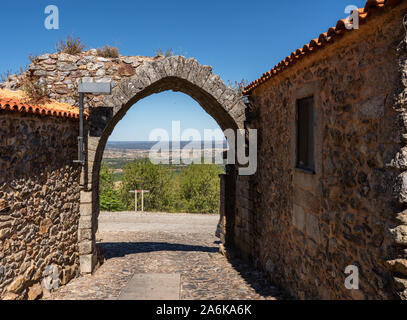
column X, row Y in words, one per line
column 188, row 68
column 173, row 61
column 194, row 73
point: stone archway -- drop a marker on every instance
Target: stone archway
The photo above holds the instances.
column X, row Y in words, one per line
column 174, row 73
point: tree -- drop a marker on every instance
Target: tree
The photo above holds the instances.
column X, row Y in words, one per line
column 109, row 197
column 194, row 188
column 144, row 175
column 200, row 188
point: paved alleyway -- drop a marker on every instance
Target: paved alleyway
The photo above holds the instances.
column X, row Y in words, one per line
column 166, row 244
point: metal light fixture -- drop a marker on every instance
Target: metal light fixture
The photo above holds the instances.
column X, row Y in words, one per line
column 88, row 87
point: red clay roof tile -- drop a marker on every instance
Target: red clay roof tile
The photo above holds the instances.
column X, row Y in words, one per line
column 12, row 101
column 321, row 41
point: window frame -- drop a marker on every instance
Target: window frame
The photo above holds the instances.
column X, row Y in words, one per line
column 309, row 102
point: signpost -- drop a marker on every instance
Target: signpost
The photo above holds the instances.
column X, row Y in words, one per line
column 142, row 198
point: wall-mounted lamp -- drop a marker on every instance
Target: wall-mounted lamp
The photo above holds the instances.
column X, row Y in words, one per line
column 88, row 87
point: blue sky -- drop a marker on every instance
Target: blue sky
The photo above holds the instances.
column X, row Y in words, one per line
column 240, row 39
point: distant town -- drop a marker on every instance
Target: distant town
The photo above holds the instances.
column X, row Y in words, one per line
column 130, row 150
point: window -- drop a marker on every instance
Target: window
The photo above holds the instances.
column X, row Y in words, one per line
column 305, row 134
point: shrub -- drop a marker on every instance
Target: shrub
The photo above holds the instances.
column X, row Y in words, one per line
column 110, row 201
column 108, row 52
column 238, row 86
column 160, row 52
column 142, row 174
column 109, row 197
column 4, row 76
column 35, row 91
column 32, row 58
column 192, row 189
column 70, row 45
column 200, row 188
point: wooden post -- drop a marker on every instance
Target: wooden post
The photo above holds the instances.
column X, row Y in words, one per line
column 135, row 200
column 142, row 200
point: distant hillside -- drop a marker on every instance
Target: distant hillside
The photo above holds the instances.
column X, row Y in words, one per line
column 147, row 145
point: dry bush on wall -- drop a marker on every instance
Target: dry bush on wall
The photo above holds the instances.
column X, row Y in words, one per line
column 70, row 45
column 108, row 52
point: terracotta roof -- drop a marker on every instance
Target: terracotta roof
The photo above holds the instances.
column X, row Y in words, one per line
column 320, row 42
column 16, row 101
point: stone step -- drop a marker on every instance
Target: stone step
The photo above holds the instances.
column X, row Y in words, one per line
column 152, row 286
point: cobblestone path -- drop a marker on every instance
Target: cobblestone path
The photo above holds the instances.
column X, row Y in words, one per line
column 167, row 243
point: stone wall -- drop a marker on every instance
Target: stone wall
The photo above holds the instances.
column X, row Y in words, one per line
column 244, row 236
column 308, row 228
column 303, row 229
column 59, row 74
column 132, row 78
column 39, row 203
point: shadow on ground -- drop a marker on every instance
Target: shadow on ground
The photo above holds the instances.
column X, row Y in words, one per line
column 121, row 249
column 255, row 278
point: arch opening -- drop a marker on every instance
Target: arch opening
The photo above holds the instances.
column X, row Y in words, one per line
column 220, row 102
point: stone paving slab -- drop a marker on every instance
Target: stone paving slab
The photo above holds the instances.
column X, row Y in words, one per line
column 191, row 250
column 152, row 286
